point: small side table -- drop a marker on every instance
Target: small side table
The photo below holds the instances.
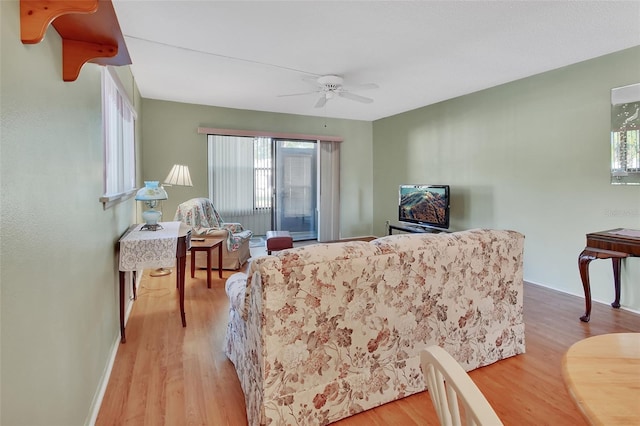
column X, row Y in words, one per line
column 207, row 245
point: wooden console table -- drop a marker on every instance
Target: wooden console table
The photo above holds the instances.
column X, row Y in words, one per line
column 615, row 244
column 155, row 261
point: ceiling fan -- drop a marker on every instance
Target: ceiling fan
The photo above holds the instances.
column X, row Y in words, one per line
column 330, row 86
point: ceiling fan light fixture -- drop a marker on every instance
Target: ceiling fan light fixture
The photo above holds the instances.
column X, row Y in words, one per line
column 330, row 80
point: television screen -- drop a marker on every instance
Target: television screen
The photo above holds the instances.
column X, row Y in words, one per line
column 426, row 205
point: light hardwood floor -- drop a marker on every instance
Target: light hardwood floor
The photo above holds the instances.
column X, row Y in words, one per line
column 169, row 375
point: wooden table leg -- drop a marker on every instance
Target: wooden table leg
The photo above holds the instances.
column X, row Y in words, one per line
column 181, row 266
column 123, row 338
column 583, row 265
column 220, row 260
column 209, row 267
column 193, row 263
column 616, row 280
column 589, row 254
column 133, row 285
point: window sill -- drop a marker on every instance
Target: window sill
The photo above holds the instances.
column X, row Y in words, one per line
column 109, row 201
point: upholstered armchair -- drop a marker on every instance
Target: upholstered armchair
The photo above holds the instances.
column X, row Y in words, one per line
column 201, row 215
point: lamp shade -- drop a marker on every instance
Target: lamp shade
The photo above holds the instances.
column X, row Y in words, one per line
column 151, row 192
column 179, row 176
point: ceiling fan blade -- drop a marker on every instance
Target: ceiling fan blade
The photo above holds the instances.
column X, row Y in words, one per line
column 355, row 97
column 364, row 86
column 297, row 94
column 321, row 101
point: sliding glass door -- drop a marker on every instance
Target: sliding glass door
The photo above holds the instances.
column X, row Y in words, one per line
column 296, row 188
column 277, row 184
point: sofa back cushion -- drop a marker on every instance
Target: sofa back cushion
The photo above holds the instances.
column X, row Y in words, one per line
column 468, row 285
column 316, row 297
column 339, row 326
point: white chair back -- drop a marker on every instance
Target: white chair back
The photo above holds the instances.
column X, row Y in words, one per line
column 449, row 385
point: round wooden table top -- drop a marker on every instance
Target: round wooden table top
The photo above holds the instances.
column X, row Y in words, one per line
column 602, row 374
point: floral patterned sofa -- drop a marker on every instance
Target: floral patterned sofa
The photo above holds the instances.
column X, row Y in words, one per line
column 322, row 332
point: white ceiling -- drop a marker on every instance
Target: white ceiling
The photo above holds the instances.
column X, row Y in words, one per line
column 244, row 54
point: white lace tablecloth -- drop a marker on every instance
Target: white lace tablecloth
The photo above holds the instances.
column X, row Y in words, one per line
column 149, row 249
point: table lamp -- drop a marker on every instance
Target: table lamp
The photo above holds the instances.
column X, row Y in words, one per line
column 178, row 176
column 150, row 195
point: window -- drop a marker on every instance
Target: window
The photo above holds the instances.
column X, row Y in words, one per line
column 118, row 124
column 625, row 135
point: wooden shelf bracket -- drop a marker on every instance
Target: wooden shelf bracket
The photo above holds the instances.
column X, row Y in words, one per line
column 77, row 53
column 37, row 15
column 89, row 30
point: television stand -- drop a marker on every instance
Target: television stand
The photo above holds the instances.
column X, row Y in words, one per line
column 415, row 229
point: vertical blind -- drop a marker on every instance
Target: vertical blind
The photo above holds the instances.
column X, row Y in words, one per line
column 231, row 178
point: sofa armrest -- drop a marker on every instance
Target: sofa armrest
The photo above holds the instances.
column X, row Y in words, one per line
column 236, row 289
column 234, row 240
column 233, row 227
column 232, row 243
column 211, row 232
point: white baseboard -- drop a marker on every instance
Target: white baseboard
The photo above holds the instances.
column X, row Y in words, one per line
column 581, row 295
column 106, row 374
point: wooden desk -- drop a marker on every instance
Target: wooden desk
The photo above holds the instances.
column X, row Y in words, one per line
column 602, row 374
column 206, row 244
column 615, row 244
column 183, row 244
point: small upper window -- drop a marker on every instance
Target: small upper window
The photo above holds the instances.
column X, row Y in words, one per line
column 118, row 126
column 625, row 135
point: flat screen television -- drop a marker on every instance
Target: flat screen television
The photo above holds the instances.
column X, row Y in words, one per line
column 424, row 205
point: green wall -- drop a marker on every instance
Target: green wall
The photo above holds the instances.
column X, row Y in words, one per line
column 532, row 155
column 58, row 271
column 170, row 136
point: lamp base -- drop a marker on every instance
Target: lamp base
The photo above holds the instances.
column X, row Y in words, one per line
column 151, row 216
column 160, row 272
column 150, row 227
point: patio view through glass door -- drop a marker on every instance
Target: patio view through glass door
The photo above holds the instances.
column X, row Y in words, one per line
column 295, row 189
